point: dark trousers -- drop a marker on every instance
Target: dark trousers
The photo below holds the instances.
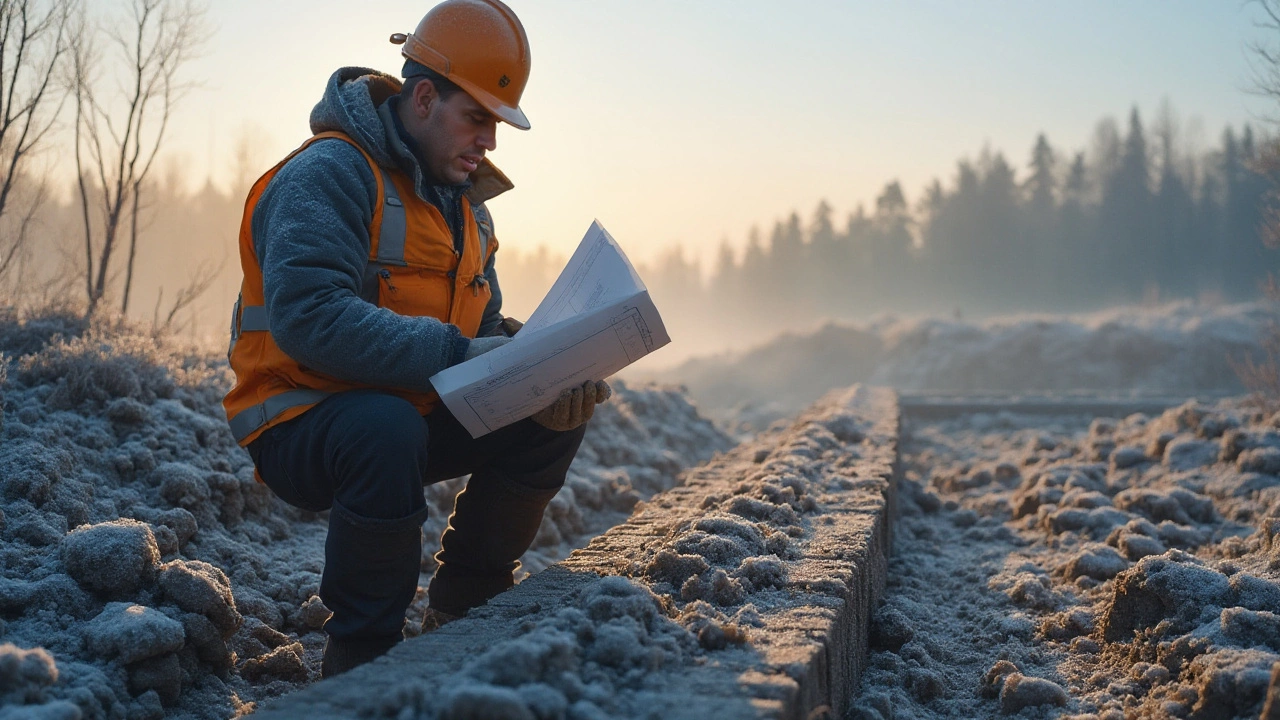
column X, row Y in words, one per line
column 366, row 455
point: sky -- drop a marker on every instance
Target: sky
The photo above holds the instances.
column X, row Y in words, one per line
column 683, row 123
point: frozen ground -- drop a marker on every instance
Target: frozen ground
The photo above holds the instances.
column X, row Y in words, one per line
column 1083, row 568
column 143, row 572
column 1088, row 567
column 1178, row 350
column 733, row 595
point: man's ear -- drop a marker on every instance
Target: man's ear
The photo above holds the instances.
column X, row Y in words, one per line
column 424, row 95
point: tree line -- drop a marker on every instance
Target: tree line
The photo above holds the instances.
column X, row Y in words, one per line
column 1140, row 215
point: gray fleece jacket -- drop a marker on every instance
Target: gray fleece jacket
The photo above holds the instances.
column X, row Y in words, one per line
column 311, row 236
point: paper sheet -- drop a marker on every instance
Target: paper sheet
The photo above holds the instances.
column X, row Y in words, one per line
column 598, row 273
column 597, row 319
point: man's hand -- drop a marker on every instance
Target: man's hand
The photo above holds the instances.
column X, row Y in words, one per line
column 510, row 326
column 574, row 407
column 480, row 346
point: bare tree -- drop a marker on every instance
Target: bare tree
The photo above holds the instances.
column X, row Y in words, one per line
column 1266, row 52
column 200, row 280
column 33, row 48
column 119, row 135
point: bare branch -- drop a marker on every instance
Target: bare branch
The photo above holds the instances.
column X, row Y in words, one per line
column 198, row 283
column 34, row 47
column 34, row 128
column 123, row 133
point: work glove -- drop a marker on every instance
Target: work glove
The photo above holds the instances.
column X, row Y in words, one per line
column 480, row 346
column 574, row 407
column 510, row 326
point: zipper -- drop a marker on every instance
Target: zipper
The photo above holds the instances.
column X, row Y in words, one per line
column 385, row 274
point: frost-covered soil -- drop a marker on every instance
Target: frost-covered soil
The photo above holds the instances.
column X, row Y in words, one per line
column 728, row 596
column 1068, row 567
column 144, row 573
column 1176, row 349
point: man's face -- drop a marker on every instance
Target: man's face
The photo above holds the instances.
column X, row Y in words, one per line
column 454, row 134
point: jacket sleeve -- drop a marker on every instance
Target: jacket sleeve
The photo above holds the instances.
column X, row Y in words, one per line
column 311, row 235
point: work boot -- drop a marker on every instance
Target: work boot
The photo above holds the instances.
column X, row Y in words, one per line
column 493, row 523
column 435, row 619
column 342, row 655
column 370, row 577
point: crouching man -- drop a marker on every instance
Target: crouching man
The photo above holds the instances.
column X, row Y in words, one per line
column 368, row 261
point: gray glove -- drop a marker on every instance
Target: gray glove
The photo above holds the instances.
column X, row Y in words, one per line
column 574, row 407
column 482, row 345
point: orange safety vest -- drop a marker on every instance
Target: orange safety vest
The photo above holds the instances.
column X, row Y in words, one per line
column 418, row 272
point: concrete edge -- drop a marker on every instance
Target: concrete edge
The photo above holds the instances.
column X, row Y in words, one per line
column 933, row 407
column 807, row 645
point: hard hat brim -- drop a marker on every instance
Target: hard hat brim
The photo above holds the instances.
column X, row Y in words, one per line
column 512, row 116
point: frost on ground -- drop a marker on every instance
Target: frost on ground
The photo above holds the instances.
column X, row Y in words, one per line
column 144, row 573
column 1077, row 568
column 724, row 597
column 1174, row 349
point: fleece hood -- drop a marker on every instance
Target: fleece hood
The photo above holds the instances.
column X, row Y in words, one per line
column 350, row 106
column 355, row 103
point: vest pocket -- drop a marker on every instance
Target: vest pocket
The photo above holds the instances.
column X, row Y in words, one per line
column 418, row 292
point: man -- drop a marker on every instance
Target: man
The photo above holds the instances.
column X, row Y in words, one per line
column 368, row 261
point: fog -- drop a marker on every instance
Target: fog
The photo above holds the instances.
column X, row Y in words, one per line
column 1140, row 216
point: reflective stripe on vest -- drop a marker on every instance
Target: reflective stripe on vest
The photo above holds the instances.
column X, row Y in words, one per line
column 395, row 226
column 247, row 421
column 484, row 229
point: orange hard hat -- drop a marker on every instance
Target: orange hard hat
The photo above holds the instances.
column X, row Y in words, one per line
column 480, row 45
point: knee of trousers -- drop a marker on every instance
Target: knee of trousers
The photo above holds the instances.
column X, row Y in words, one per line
column 379, row 460
column 412, row 522
column 542, row 457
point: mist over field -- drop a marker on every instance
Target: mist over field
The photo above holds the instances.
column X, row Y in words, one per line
column 1140, row 216
column 1172, row 350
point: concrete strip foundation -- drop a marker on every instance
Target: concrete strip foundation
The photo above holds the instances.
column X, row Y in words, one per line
column 746, row 592
column 931, row 407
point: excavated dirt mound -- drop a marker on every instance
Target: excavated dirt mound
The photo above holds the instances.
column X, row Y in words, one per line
column 144, row 573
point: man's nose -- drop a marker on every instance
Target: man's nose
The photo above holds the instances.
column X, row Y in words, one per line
column 488, row 137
